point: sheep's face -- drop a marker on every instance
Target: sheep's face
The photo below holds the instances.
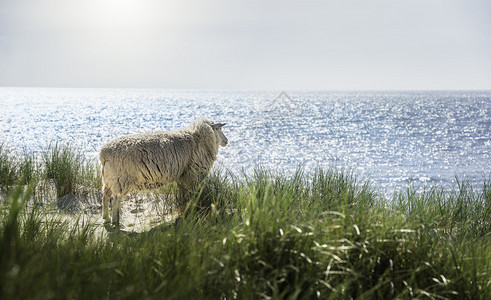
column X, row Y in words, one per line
column 220, row 137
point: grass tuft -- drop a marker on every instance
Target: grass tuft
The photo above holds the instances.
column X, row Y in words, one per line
column 69, row 168
column 16, row 169
column 8, row 167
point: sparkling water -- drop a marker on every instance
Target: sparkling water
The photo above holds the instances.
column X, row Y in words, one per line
column 394, row 138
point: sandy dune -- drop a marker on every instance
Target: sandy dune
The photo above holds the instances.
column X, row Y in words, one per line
column 140, row 211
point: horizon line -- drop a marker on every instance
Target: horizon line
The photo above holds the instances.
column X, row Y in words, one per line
column 255, row 89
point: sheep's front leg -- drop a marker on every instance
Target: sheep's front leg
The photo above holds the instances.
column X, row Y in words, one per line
column 188, row 189
column 115, row 211
column 105, row 204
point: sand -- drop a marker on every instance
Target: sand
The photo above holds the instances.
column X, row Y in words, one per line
column 140, row 212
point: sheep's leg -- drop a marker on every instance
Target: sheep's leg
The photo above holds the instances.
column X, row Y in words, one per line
column 115, row 211
column 105, row 204
column 184, row 192
column 182, row 197
column 188, row 186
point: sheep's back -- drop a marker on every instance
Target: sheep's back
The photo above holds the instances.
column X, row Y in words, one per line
column 151, row 157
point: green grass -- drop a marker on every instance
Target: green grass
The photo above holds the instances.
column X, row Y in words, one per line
column 326, row 235
column 69, row 168
column 10, row 169
column 59, row 162
column 16, row 169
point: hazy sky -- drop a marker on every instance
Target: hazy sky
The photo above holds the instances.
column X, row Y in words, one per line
column 246, row 44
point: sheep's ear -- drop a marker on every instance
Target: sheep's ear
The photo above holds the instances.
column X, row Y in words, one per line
column 217, row 125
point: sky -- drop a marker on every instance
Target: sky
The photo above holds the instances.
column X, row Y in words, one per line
column 247, row 44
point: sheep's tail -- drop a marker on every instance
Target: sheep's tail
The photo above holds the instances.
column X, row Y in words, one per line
column 103, row 162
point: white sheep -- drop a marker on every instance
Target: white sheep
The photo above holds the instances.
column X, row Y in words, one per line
column 148, row 161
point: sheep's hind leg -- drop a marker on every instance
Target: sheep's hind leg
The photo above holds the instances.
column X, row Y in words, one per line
column 184, row 193
column 116, row 209
column 105, row 204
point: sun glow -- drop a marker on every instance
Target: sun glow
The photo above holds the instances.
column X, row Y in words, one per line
column 119, row 13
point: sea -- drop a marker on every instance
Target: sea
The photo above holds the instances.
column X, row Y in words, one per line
column 394, row 139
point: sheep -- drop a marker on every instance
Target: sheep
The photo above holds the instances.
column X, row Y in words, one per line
column 147, row 161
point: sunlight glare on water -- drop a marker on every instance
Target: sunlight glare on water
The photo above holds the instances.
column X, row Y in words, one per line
column 394, row 138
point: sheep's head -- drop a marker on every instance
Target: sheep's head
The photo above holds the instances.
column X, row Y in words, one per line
column 220, row 137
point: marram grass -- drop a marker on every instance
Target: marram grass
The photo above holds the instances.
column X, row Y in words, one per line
column 268, row 236
column 14, row 170
column 69, row 168
column 62, row 163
